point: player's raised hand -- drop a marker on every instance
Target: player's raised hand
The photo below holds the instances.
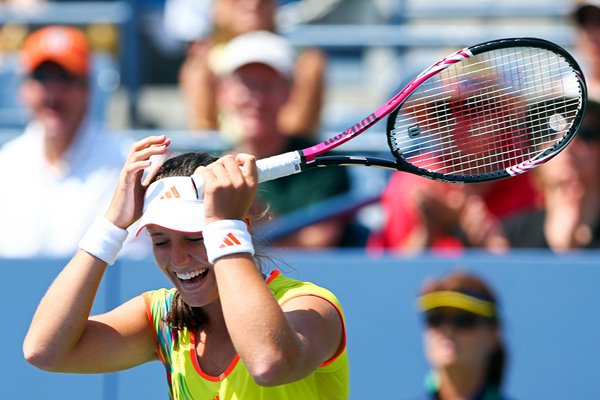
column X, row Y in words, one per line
column 230, row 185
column 127, row 202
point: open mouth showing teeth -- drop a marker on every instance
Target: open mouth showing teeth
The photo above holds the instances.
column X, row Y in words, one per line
column 192, row 276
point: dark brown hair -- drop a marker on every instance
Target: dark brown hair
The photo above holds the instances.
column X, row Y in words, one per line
column 467, row 283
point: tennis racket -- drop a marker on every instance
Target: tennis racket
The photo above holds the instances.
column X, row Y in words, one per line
column 486, row 112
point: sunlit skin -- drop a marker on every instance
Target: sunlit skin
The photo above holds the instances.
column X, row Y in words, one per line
column 178, row 252
column 59, row 106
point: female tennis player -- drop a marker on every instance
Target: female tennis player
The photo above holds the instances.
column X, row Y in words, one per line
column 226, row 330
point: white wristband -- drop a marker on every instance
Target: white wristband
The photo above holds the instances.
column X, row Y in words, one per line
column 103, row 240
column 225, row 237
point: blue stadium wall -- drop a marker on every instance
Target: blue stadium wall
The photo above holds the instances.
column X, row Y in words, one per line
column 549, row 303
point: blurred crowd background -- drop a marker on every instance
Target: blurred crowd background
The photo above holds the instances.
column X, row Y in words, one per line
column 153, row 71
column 157, row 67
column 372, row 46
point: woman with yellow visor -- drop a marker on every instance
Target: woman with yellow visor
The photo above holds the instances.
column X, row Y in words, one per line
column 462, row 338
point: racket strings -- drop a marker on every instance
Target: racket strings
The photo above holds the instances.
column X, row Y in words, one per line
column 441, row 86
column 501, row 127
column 462, row 165
column 477, row 105
column 514, row 138
column 488, row 113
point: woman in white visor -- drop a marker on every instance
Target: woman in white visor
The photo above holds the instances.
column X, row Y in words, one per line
column 227, row 329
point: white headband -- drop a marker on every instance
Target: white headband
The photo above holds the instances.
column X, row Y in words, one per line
column 173, row 203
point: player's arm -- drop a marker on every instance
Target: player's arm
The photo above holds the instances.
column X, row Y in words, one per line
column 278, row 344
column 63, row 338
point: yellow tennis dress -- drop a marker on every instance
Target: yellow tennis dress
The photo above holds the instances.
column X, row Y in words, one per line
column 187, row 381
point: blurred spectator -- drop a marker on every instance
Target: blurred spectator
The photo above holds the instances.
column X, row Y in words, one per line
column 462, row 338
column 570, row 184
column 300, row 116
column 255, row 75
column 423, row 214
column 64, row 166
column 24, row 4
column 587, row 21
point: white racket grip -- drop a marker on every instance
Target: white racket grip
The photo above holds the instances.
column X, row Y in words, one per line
column 279, row 166
column 268, row 169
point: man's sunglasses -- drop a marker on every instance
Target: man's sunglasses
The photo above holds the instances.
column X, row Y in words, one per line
column 47, row 75
column 461, row 320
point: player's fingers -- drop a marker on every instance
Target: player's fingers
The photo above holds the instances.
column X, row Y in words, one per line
column 205, row 172
column 228, row 172
column 147, row 153
column 215, row 175
column 247, row 163
column 233, row 170
column 160, row 140
column 137, row 166
column 151, row 170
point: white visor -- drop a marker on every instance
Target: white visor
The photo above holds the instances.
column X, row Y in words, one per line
column 173, row 203
column 260, row 47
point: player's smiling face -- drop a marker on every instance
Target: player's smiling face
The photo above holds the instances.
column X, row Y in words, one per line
column 182, row 257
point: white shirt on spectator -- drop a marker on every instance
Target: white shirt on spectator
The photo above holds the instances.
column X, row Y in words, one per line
column 45, row 209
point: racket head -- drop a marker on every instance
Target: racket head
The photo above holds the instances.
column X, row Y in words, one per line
column 489, row 111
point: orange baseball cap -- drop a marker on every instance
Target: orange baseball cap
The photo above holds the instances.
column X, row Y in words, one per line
column 65, row 46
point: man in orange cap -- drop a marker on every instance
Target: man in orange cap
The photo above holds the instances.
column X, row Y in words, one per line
column 56, row 89
column 64, row 166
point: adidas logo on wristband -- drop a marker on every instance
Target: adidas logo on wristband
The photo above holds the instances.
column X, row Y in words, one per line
column 222, row 238
column 230, row 240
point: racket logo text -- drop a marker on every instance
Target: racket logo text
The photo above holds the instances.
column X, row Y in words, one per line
column 357, row 128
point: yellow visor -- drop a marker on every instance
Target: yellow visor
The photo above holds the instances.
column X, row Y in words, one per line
column 448, row 298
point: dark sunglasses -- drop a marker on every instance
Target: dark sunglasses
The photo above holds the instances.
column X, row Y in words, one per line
column 461, row 320
column 58, row 75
